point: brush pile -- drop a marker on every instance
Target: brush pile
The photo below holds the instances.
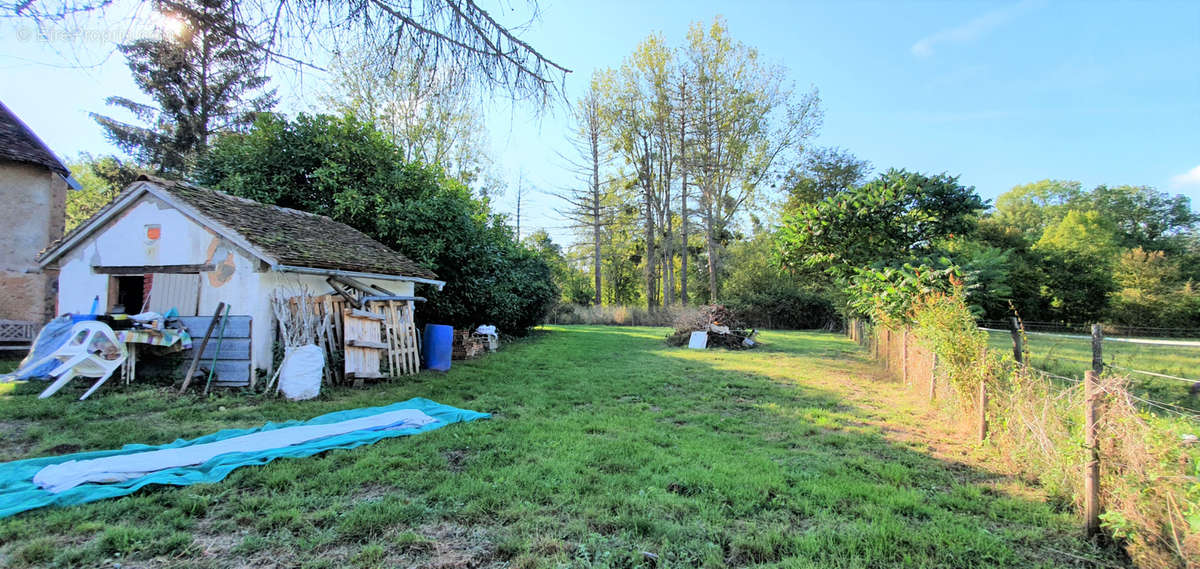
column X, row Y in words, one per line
column 724, row 329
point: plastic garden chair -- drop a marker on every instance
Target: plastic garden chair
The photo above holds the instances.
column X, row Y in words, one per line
column 85, row 355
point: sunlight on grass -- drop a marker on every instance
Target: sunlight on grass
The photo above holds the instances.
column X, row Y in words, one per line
column 605, row 443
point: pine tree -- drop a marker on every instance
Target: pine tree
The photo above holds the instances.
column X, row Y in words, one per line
column 201, row 79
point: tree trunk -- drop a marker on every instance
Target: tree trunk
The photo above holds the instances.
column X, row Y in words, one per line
column 711, row 245
column 651, row 270
column 596, row 212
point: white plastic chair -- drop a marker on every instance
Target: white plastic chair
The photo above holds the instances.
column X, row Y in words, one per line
column 83, row 355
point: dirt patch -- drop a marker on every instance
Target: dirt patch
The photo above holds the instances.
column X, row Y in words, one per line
column 456, row 459
column 458, row 547
column 13, row 443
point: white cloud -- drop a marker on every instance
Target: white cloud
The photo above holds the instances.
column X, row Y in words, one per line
column 1191, row 178
column 972, row 30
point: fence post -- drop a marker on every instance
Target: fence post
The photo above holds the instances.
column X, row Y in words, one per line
column 904, row 356
column 983, row 398
column 1018, row 348
column 983, row 402
column 1097, row 348
column 1091, row 471
column 933, row 378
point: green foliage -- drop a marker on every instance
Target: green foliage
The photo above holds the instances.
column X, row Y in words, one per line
column 765, row 296
column 202, row 80
column 344, row 168
column 1030, row 208
column 1144, row 217
column 1088, row 234
column 946, row 325
column 575, row 285
column 986, row 275
column 889, row 295
column 896, row 218
column 823, row 172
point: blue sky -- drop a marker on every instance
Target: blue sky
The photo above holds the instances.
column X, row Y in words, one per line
column 999, row 93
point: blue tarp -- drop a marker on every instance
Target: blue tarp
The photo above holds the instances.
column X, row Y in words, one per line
column 18, row 493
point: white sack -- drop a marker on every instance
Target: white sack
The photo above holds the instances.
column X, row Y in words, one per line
column 300, row 373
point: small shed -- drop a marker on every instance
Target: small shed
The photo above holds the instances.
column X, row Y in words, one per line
column 165, row 244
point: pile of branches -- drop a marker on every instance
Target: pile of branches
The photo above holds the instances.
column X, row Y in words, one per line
column 724, row 329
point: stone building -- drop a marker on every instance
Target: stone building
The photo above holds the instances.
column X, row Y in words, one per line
column 33, row 183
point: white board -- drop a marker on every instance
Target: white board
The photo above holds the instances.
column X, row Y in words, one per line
column 698, row 341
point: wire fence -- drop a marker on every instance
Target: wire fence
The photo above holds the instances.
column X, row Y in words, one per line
column 1110, row 330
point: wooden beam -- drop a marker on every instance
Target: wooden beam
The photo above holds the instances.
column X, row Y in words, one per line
column 148, row 269
column 364, row 314
column 367, row 344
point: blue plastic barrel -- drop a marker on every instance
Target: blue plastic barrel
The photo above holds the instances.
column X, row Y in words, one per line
column 437, row 346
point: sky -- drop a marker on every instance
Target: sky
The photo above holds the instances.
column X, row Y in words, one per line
column 998, row 93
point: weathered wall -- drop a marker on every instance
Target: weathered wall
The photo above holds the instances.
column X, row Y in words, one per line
column 32, row 217
column 238, row 279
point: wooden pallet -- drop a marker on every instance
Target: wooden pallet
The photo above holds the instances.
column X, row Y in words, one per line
column 400, row 331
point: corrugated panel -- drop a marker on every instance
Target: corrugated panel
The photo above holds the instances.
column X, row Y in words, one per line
column 178, row 291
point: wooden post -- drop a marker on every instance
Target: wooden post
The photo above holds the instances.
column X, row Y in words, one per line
column 933, row 378
column 187, row 378
column 1091, row 471
column 1097, row 348
column 983, row 403
column 904, row 356
column 1018, row 348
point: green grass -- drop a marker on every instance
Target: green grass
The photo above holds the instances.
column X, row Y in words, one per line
column 1073, row 356
column 607, row 449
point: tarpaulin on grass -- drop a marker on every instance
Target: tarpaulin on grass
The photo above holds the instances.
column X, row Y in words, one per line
column 19, row 493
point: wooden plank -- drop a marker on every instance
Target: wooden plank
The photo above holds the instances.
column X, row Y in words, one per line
column 231, row 349
column 237, row 327
column 364, row 314
column 145, row 269
column 367, row 344
column 366, row 375
column 231, row 373
column 187, row 378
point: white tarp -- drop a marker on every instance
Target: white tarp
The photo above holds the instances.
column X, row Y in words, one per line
column 66, row 475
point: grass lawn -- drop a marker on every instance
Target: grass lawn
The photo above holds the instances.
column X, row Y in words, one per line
column 1072, row 356
column 607, row 449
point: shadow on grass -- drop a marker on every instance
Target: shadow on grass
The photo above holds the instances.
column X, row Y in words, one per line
column 608, row 449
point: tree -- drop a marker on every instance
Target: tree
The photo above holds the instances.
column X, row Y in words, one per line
column 429, row 115
column 203, row 81
column 456, row 36
column 898, row 217
column 823, row 173
column 1144, row 217
column 344, row 168
column 1032, row 207
column 572, row 282
column 586, row 206
column 745, row 118
column 1090, row 234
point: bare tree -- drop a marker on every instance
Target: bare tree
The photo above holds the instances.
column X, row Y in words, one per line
column 454, row 35
column 586, row 207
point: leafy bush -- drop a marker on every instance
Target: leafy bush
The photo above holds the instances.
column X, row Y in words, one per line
column 345, row 169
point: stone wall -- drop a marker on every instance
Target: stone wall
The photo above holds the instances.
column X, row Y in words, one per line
column 32, row 217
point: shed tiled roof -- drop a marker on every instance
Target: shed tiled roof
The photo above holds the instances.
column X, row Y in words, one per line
column 289, row 236
column 19, row 144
